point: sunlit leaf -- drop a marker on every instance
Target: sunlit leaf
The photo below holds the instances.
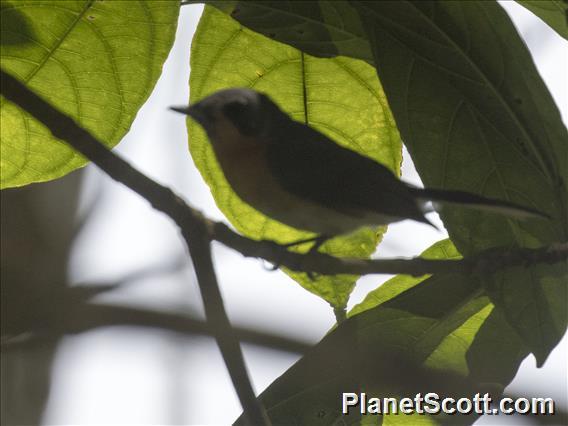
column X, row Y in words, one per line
column 97, row 61
column 441, row 250
column 341, row 97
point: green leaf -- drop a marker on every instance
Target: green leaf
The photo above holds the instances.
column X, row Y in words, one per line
column 96, row 61
column 341, row 97
column 469, row 118
column 321, row 28
column 534, row 301
column 476, row 116
column 496, row 351
column 553, row 12
column 407, row 334
column 443, row 249
column 15, row 28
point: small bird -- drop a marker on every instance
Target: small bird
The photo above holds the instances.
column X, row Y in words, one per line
column 296, row 175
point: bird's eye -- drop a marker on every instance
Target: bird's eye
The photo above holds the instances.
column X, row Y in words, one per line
column 241, row 114
column 235, row 109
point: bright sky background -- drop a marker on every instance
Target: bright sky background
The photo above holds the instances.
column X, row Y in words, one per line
column 126, row 376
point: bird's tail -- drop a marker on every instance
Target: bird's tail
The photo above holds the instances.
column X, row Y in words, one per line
column 477, row 202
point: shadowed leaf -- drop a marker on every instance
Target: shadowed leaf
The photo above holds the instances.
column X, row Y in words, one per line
column 553, row 12
column 15, row 27
column 321, row 28
column 473, row 121
column 410, row 335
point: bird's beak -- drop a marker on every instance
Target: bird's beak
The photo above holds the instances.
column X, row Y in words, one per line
column 194, row 111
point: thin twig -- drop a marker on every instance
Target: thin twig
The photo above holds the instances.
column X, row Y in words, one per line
column 485, row 262
column 85, row 316
column 199, row 245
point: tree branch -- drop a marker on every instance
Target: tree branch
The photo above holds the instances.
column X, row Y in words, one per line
column 199, row 245
column 485, row 262
column 80, row 317
column 163, row 199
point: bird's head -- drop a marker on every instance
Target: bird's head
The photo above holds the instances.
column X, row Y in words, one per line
column 246, row 111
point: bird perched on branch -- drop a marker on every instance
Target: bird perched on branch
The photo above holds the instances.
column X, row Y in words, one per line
column 296, row 175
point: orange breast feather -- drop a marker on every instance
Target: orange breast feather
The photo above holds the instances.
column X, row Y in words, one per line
column 244, row 165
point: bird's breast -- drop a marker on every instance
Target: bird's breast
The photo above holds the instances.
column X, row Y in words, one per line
column 246, row 169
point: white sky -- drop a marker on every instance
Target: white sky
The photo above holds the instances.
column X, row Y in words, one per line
column 123, row 376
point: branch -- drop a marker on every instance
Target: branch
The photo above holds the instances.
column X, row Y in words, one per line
column 199, row 245
column 81, row 317
column 485, row 262
column 163, row 199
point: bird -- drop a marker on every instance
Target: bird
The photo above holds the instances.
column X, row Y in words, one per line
column 298, row 176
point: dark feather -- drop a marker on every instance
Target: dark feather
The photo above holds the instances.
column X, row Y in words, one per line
column 310, row 165
column 476, row 201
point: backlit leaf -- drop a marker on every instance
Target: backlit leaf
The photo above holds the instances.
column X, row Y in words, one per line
column 97, row 61
column 341, row 97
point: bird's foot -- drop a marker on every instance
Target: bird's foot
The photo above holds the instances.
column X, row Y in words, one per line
column 318, row 240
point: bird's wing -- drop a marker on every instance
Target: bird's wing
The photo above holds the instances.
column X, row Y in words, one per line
column 310, row 165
